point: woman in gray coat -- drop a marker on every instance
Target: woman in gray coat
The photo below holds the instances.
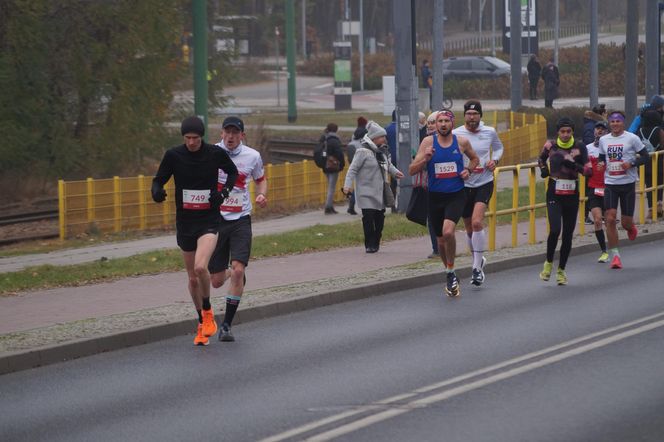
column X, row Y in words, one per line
column 369, row 169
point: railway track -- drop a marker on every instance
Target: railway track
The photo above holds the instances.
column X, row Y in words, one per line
column 26, row 217
column 20, row 224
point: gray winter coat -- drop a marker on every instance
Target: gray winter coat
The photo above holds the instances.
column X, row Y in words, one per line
column 365, row 170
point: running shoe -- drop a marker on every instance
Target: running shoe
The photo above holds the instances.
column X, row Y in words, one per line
column 604, row 257
column 209, row 324
column 200, row 338
column 631, row 233
column 476, row 279
column 616, row 263
column 561, row 277
column 225, row 334
column 452, row 287
column 545, row 274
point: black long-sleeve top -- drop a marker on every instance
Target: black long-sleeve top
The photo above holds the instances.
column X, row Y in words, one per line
column 195, row 171
column 562, row 168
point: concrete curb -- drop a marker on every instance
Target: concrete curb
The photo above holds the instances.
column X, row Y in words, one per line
column 22, row 360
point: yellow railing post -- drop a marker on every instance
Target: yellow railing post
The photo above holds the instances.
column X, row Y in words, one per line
column 289, row 184
column 655, row 184
column 515, row 205
column 532, row 188
column 642, row 195
column 492, row 210
column 306, row 192
column 62, row 208
column 90, row 188
column 117, row 205
column 511, row 120
column 582, row 205
column 142, row 222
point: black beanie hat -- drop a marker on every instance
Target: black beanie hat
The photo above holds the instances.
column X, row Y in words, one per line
column 192, row 125
column 472, row 105
column 565, row 122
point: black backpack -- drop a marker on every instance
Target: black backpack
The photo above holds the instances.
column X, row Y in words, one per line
column 320, row 152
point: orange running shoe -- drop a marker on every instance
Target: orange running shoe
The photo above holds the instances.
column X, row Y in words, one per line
column 200, row 338
column 616, row 263
column 209, row 324
column 631, row 233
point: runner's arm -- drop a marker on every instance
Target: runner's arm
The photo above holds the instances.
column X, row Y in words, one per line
column 467, row 149
column 423, row 155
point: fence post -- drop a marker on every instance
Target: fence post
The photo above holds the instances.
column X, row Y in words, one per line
column 515, row 205
column 117, row 205
column 492, row 210
column 289, row 184
column 62, row 208
column 655, row 184
column 306, row 192
column 532, row 188
column 141, row 203
column 642, row 196
column 582, row 204
column 90, row 188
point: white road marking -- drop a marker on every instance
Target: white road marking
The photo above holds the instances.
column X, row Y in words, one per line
column 321, row 86
column 419, row 403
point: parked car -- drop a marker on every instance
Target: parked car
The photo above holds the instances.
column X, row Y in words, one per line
column 476, row 66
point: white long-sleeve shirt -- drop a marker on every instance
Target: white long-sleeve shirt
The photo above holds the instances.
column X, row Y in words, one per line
column 487, row 146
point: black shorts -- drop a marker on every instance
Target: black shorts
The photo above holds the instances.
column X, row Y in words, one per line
column 234, row 243
column 481, row 194
column 623, row 194
column 188, row 232
column 594, row 200
column 444, row 206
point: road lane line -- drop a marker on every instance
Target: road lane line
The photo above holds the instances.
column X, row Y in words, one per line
column 381, row 404
column 456, row 391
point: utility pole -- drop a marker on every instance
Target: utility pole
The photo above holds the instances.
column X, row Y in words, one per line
column 200, row 61
column 438, row 49
column 652, row 49
column 515, row 54
column 403, row 13
column 556, row 32
column 631, row 59
column 276, row 40
column 493, row 28
column 361, row 45
column 594, row 68
column 304, row 29
column 290, row 59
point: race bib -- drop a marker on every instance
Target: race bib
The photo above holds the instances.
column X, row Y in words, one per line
column 195, row 199
column 565, row 187
column 599, row 191
column 234, row 201
column 445, row 170
column 478, row 170
column 615, row 168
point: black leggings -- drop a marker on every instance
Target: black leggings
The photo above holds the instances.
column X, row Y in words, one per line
column 561, row 211
column 372, row 222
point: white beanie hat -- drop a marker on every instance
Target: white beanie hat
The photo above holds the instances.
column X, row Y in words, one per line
column 374, row 130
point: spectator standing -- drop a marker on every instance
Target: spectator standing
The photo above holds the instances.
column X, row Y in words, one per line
column 652, row 135
column 534, row 71
column 391, row 135
column 551, row 78
column 369, row 169
column 427, row 79
column 332, row 150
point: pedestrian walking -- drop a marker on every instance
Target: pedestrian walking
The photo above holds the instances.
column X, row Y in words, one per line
column 441, row 155
column 330, row 158
column 369, row 170
column 534, row 69
column 551, row 77
column 352, row 146
column 235, row 234
column 479, row 186
column 195, row 167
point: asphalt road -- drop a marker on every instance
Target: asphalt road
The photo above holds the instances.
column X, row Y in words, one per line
column 518, row 359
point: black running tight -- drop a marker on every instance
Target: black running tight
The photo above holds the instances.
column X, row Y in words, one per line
column 562, row 211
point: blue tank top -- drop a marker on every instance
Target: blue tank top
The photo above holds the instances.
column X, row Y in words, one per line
column 444, row 167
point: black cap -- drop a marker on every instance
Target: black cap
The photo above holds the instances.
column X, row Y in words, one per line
column 565, row 122
column 192, row 125
column 472, row 105
column 233, row 121
column 602, row 123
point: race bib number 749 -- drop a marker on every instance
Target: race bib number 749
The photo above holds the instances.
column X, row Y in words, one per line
column 195, row 199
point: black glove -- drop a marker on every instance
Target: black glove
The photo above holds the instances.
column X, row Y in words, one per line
column 544, row 170
column 158, row 193
column 218, row 197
